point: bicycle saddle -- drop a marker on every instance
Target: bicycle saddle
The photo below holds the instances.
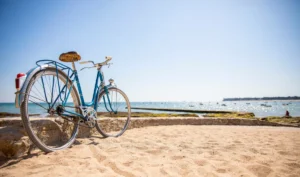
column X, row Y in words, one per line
column 69, row 57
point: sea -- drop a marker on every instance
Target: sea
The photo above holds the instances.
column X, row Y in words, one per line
column 259, row 108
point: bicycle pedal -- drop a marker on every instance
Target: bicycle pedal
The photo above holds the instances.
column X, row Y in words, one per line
column 82, row 121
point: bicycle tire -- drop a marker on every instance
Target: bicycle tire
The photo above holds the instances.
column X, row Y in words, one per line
column 109, row 123
column 29, row 119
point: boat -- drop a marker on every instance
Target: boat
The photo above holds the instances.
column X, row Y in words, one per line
column 265, row 105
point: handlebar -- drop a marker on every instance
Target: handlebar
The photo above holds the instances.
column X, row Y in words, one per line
column 108, row 58
column 85, row 62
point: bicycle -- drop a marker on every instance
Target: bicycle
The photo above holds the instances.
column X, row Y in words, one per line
column 52, row 110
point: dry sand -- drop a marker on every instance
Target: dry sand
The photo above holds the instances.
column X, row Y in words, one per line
column 173, row 151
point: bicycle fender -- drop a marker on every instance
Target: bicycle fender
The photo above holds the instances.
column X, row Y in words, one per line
column 21, row 94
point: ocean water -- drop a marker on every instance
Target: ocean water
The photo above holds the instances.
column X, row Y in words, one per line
column 273, row 108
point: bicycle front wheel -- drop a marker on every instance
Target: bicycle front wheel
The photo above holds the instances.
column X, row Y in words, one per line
column 113, row 113
column 44, row 97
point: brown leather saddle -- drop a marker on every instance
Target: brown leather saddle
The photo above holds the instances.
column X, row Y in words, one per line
column 69, row 57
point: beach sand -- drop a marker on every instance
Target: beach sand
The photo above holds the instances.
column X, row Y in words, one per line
column 172, row 151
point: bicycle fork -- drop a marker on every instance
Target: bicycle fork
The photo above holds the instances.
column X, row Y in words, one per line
column 109, row 102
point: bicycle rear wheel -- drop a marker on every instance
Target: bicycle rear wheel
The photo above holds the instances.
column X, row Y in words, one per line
column 113, row 113
column 45, row 128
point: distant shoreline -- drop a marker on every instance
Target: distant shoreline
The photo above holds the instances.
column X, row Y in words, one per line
column 289, row 98
column 263, row 100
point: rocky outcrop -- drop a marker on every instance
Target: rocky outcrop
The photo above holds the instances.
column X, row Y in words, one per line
column 13, row 141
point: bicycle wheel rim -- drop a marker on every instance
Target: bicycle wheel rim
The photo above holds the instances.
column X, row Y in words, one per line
column 46, row 129
column 113, row 119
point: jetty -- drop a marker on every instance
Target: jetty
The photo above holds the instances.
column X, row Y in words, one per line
column 182, row 110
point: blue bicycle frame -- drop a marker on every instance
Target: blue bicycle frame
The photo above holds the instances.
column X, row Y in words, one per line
column 73, row 76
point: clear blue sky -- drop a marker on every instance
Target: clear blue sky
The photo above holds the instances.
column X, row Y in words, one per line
column 162, row 50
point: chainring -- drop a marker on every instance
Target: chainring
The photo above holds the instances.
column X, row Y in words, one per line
column 91, row 115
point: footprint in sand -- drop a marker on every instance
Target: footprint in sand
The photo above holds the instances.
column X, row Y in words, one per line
column 230, row 147
column 213, row 152
column 163, row 172
column 259, row 170
column 294, row 175
column 154, row 152
column 100, row 158
column 200, row 162
column 38, row 166
column 177, row 157
column 293, row 165
column 221, row 170
column 237, row 142
column 141, row 147
column 127, row 164
column 117, row 170
column 246, row 158
column 285, row 153
column 111, row 165
column 253, row 150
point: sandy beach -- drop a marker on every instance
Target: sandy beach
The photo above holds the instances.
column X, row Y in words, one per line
column 172, row 151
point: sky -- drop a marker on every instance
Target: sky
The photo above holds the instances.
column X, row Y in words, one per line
column 172, row 50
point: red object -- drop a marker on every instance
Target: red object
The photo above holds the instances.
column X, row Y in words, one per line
column 20, row 75
column 287, row 114
column 17, row 80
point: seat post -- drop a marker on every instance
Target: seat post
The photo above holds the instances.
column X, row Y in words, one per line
column 73, row 66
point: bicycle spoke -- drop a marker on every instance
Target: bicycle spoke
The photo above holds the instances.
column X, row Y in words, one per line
column 47, row 92
column 38, row 104
column 40, row 94
column 37, row 98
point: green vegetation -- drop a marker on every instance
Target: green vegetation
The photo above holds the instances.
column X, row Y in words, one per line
column 231, row 115
column 182, row 110
column 282, row 120
column 6, row 114
column 148, row 114
column 295, row 121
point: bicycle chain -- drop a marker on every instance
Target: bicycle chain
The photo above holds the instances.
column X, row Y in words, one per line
column 80, row 122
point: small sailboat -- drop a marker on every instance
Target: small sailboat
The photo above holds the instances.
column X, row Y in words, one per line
column 265, row 105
